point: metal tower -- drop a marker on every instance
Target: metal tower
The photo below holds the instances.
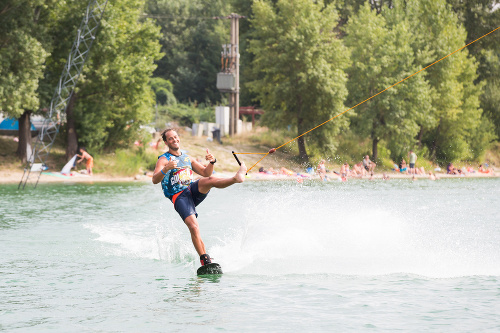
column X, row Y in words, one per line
column 67, row 82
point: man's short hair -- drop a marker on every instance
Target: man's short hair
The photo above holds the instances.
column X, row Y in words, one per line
column 164, row 133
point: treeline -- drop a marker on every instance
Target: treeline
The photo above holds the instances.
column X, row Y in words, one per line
column 306, row 61
column 302, row 61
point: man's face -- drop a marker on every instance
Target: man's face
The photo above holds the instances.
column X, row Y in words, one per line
column 173, row 140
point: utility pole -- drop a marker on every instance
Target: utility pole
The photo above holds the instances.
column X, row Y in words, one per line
column 234, row 101
column 228, row 80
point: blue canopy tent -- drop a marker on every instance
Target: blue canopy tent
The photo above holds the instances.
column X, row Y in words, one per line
column 10, row 126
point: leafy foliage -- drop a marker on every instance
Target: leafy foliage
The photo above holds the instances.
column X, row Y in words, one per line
column 192, row 42
column 184, row 114
column 385, row 56
column 163, row 90
column 299, row 67
column 22, row 54
column 115, row 97
column 480, row 17
column 455, row 95
column 438, row 107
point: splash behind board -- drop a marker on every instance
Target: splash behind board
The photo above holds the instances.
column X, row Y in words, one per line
column 209, row 269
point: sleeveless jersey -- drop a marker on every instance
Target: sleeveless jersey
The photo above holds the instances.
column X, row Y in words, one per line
column 177, row 180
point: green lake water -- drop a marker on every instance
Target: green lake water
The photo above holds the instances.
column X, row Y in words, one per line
column 316, row 257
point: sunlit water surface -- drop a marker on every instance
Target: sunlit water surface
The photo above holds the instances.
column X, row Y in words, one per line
column 356, row 256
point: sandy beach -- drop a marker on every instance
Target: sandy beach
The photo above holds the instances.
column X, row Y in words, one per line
column 14, row 176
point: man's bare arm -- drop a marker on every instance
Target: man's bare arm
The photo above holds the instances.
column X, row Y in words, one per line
column 163, row 165
column 204, row 171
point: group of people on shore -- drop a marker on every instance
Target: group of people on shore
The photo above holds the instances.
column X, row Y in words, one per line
column 411, row 168
column 361, row 169
column 367, row 168
column 452, row 170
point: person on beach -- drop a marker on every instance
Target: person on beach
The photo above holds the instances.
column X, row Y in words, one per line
column 413, row 160
column 402, row 167
column 90, row 159
column 345, row 171
column 451, row 170
column 359, row 170
column 369, row 165
column 481, row 169
column 174, row 169
column 321, row 170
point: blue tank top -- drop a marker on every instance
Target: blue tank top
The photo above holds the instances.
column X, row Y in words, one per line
column 177, row 180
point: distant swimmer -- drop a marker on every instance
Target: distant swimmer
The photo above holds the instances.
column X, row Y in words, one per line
column 174, row 169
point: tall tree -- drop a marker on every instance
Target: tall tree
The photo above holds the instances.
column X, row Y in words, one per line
column 113, row 96
column 480, row 17
column 455, row 97
column 384, row 56
column 62, row 30
column 22, row 55
column 299, row 67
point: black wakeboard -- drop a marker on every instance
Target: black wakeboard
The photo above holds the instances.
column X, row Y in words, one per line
column 209, row 269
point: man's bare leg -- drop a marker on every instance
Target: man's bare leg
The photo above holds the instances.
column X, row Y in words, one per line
column 194, row 229
column 205, row 184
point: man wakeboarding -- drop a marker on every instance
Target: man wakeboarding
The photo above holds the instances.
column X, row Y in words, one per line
column 174, row 169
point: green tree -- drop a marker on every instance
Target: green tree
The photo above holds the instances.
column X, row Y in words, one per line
column 192, row 43
column 455, row 97
column 65, row 18
column 440, row 107
column 480, row 17
column 299, row 68
column 113, row 97
column 383, row 56
column 23, row 50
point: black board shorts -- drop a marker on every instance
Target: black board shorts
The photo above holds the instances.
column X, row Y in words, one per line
column 186, row 202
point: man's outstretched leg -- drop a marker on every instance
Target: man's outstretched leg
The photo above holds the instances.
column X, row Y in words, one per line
column 205, row 184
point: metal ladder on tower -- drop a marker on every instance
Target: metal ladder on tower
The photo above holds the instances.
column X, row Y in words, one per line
column 67, row 82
